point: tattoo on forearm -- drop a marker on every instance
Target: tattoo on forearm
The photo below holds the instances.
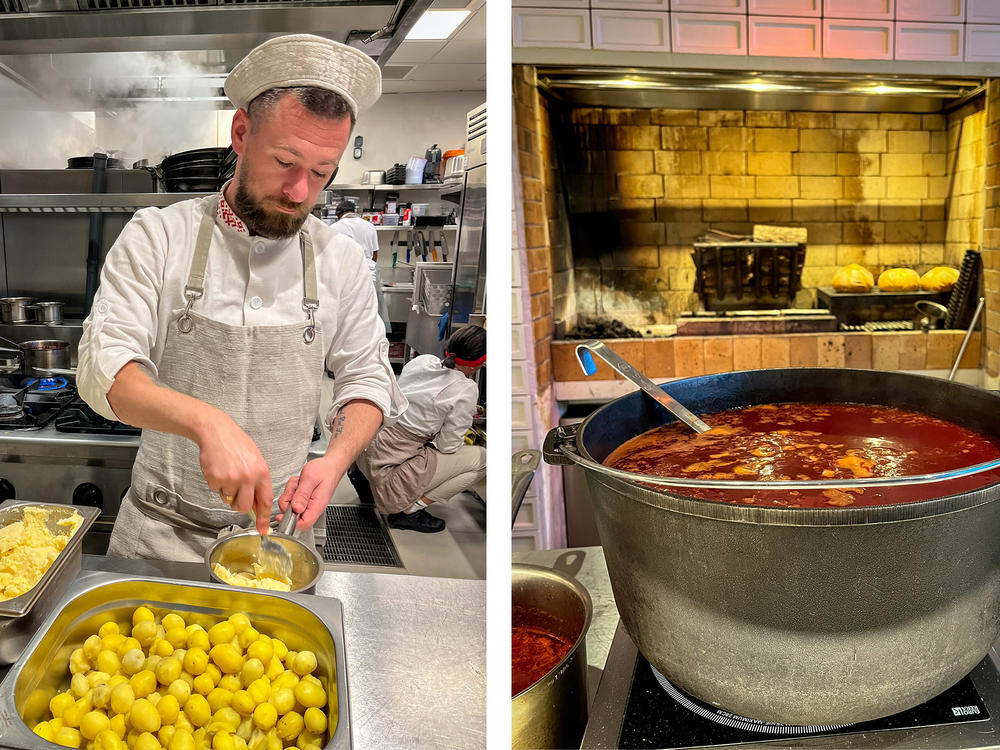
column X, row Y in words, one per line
column 338, row 426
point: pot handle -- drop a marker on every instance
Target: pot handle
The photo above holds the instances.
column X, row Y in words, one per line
column 558, row 441
column 570, row 562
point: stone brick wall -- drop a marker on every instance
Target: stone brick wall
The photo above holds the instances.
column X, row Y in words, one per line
column 688, row 356
column 965, row 168
column 991, row 232
column 528, row 129
column 873, row 189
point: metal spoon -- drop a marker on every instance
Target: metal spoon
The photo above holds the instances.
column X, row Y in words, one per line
column 273, row 557
column 602, row 350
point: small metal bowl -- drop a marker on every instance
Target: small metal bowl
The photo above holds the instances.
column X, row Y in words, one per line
column 239, row 551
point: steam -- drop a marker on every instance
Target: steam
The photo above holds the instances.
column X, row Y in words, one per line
column 94, row 102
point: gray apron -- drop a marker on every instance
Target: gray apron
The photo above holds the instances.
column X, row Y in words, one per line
column 399, row 466
column 267, row 378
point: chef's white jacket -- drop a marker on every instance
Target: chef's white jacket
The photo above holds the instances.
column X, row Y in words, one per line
column 441, row 402
column 364, row 233
column 249, row 281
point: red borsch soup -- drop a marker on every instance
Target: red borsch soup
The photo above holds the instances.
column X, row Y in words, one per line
column 813, row 441
column 536, row 647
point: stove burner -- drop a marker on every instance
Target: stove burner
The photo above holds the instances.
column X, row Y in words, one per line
column 735, row 721
column 9, row 408
column 50, row 384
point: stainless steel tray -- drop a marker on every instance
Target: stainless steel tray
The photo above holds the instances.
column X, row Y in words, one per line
column 93, row 598
column 12, row 511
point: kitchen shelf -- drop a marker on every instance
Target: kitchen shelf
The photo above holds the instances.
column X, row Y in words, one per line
column 449, row 227
column 437, row 186
column 88, row 203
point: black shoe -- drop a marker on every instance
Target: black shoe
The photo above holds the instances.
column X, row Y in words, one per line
column 361, row 486
column 421, row 521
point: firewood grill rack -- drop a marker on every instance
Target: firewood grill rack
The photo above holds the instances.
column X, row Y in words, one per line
column 748, row 275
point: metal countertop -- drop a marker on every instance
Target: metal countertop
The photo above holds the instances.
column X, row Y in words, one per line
column 416, row 652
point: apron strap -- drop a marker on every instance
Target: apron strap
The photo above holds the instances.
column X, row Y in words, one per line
column 195, row 286
column 310, row 301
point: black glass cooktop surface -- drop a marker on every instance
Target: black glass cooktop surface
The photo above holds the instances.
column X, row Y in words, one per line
column 656, row 719
column 635, row 707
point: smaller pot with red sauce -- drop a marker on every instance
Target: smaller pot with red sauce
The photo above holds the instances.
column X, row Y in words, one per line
column 550, row 616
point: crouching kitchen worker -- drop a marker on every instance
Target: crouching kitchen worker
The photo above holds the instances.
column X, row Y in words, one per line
column 422, row 458
column 216, row 316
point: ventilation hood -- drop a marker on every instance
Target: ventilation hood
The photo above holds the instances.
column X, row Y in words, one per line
column 236, row 26
column 186, row 47
column 753, row 90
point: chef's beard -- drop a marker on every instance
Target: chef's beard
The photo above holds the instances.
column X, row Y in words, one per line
column 261, row 220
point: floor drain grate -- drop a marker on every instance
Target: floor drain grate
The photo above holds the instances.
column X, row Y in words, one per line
column 356, row 536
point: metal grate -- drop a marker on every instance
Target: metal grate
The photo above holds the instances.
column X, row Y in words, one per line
column 11, row 6
column 876, row 326
column 134, row 4
column 356, row 536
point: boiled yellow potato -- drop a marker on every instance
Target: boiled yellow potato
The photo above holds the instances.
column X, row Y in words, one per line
column 158, row 682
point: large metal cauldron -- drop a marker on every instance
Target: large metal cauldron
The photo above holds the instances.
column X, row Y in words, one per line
column 799, row 616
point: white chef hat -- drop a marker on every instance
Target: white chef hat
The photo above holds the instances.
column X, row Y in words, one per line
column 306, row 60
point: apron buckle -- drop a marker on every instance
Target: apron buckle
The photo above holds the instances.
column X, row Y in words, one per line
column 185, row 323
column 309, row 334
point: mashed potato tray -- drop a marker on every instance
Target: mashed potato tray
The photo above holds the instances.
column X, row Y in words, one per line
column 21, row 615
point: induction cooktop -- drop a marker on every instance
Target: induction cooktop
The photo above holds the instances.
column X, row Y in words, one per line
column 637, row 707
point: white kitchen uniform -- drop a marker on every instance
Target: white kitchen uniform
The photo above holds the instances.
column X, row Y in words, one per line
column 364, row 233
column 424, row 454
column 246, row 325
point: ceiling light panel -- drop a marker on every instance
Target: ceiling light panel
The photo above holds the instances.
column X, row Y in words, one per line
column 437, row 24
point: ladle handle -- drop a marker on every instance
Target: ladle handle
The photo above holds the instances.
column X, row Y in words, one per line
column 602, row 350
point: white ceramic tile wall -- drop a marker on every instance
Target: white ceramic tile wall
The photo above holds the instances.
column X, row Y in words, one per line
column 525, row 543
column 661, row 5
column 880, row 9
column 929, row 41
column 784, row 36
column 952, row 11
column 551, row 27
column 520, row 413
column 982, row 11
column 982, row 42
column 519, row 335
column 641, row 31
column 553, row 4
column 522, row 440
column 785, row 7
column 520, row 375
column 708, row 6
column 859, row 40
column 720, row 34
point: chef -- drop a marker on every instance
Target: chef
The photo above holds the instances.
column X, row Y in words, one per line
column 216, row 316
column 364, row 233
column 423, row 458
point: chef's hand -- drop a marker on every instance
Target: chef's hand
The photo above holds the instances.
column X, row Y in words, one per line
column 234, row 467
column 310, row 492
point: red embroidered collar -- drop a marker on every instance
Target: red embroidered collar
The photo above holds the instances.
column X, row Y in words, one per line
column 228, row 216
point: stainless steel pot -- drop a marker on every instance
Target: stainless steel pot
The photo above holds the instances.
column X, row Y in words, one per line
column 48, row 312
column 238, row 552
column 15, row 309
column 799, row 616
column 552, row 713
column 44, row 354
